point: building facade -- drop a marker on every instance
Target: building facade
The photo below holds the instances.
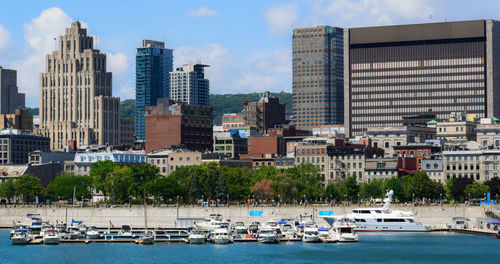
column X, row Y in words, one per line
column 231, row 121
column 488, row 133
column 393, row 72
column 171, row 124
column 153, row 64
column 380, row 168
column 20, row 119
column 127, row 128
column 188, row 85
column 82, row 164
column 388, row 137
column 318, row 76
column 264, row 114
column 76, row 102
column 10, row 99
column 230, row 143
column 168, row 160
column 15, row 146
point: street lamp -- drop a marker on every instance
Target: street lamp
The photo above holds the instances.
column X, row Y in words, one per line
column 227, row 200
column 441, row 198
column 413, row 194
column 279, row 200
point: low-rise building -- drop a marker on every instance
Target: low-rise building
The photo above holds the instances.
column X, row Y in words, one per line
column 170, row 124
column 169, row 160
column 380, row 168
column 457, row 129
column 488, row 132
column 434, row 169
column 127, row 131
column 418, row 151
column 38, row 157
column 388, row 137
column 231, row 121
column 82, row 164
column 463, row 164
column 19, row 120
column 230, row 143
column 15, row 146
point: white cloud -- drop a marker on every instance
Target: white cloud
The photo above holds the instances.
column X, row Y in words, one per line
column 202, row 12
column 126, row 92
column 4, row 38
column 39, row 35
column 117, row 63
column 223, row 66
column 256, row 83
column 275, row 62
column 281, row 18
column 345, row 13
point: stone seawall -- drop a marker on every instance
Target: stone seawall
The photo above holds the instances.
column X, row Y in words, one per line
column 435, row 216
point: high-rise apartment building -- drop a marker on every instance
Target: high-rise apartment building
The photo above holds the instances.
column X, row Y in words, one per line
column 153, row 64
column 393, row 72
column 76, row 102
column 10, row 99
column 318, row 76
column 188, row 85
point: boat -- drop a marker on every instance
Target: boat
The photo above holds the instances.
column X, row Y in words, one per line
column 21, row 237
column 497, row 236
column 324, row 233
column 240, row 228
column 196, row 237
column 253, row 228
column 288, row 231
column 51, row 237
column 267, row 235
column 209, row 224
column 125, row 231
column 159, row 231
column 34, row 223
column 382, row 219
column 148, row 237
column 221, row 236
column 343, row 230
column 16, row 228
column 61, row 227
column 45, row 227
column 310, row 234
column 73, row 232
column 92, row 233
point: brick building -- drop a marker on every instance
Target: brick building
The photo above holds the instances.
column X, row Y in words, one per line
column 264, row 114
column 173, row 124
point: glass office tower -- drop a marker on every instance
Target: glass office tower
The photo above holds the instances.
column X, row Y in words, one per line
column 153, row 64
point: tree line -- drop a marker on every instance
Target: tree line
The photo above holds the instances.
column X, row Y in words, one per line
column 209, row 182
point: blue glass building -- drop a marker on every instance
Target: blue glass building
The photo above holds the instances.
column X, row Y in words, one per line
column 153, row 64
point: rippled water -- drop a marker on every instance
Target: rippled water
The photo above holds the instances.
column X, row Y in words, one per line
column 372, row 248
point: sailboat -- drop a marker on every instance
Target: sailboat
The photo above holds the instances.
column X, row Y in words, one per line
column 147, row 238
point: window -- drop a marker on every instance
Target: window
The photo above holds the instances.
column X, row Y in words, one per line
column 387, row 144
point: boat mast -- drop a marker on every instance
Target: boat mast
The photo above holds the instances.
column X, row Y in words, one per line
column 145, row 215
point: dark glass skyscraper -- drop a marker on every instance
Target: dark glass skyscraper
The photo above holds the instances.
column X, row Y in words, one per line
column 153, row 64
column 318, row 76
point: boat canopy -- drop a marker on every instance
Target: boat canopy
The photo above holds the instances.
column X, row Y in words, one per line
column 322, row 229
column 494, row 222
column 76, row 222
column 281, row 222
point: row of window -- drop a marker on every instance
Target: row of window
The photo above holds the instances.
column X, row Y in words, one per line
column 417, row 63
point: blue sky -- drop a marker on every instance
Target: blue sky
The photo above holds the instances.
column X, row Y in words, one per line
column 247, row 43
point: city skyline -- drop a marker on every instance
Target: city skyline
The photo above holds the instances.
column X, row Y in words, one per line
column 251, row 41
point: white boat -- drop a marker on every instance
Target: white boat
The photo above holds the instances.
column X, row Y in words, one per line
column 51, row 237
column 221, row 236
column 73, row 232
column 146, row 239
column 196, row 237
column 253, row 228
column 92, row 233
column 240, row 228
column 267, row 235
column 45, row 227
column 125, row 231
column 343, row 230
column 61, row 227
column 21, row 237
column 210, row 224
column 34, row 223
column 310, row 234
column 17, row 228
column 288, row 231
column 382, row 219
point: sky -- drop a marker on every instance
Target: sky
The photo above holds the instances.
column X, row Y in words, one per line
column 246, row 43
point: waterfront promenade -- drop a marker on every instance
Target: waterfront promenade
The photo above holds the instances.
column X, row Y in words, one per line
column 437, row 216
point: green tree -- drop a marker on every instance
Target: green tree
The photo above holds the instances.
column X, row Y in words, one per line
column 62, row 187
column 287, row 187
column 8, row 189
column 494, row 184
column 28, row 186
column 99, row 172
column 333, row 191
column 394, row 184
column 455, row 188
column 141, row 175
column 372, row 189
column 165, row 188
column 118, row 183
column 476, row 190
column 238, row 182
column 350, row 188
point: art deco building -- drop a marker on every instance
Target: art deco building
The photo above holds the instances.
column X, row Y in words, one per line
column 393, row 72
column 318, row 76
column 76, row 102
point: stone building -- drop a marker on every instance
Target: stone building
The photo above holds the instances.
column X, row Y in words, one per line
column 169, row 160
column 388, row 137
column 15, row 146
column 76, row 102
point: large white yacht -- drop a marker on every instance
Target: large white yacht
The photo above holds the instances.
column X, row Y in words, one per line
column 210, row 224
column 381, row 219
column 343, row 230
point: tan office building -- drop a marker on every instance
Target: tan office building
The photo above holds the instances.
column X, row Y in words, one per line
column 76, row 102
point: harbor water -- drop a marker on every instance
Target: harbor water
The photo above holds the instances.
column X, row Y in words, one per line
column 436, row 247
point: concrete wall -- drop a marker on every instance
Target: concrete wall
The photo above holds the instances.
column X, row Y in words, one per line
column 435, row 216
